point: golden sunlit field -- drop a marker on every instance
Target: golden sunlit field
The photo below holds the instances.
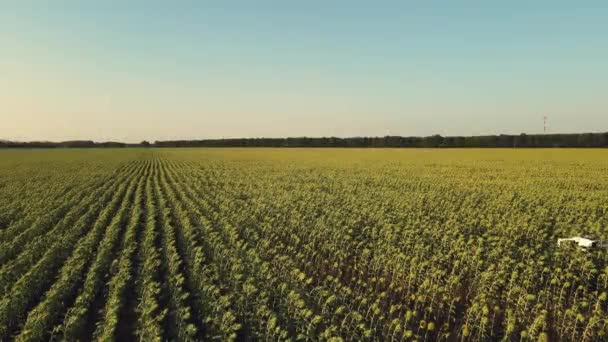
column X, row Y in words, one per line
column 303, row 244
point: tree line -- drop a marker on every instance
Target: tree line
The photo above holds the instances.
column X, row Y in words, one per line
column 64, row 144
column 434, row 141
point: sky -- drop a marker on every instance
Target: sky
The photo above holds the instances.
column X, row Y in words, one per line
column 161, row 70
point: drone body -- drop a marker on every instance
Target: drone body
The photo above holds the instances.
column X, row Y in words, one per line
column 581, row 241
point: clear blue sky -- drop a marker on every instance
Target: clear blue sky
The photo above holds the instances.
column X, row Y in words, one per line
column 132, row 70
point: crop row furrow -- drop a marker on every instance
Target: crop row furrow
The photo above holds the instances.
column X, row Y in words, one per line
column 38, row 278
column 99, row 241
column 180, row 314
column 150, row 313
column 254, row 277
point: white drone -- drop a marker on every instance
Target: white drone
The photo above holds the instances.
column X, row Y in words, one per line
column 584, row 242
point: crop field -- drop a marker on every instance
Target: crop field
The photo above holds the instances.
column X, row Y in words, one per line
column 302, row 244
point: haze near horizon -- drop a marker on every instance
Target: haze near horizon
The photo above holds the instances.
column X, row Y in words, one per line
column 133, row 70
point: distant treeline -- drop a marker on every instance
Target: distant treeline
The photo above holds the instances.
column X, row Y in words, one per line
column 64, row 144
column 505, row 141
column 522, row 140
